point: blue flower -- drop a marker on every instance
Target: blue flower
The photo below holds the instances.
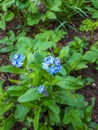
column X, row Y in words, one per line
column 18, row 60
column 41, row 89
column 52, row 65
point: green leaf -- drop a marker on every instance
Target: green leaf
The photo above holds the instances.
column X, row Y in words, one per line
column 33, row 8
column 36, row 118
column 54, row 118
column 5, row 107
column 63, row 72
column 2, row 25
column 68, row 82
column 64, row 52
column 52, row 106
column 70, row 115
column 95, row 3
column 12, row 35
column 43, row 45
column 25, row 41
column 31, row 95
column 24, row 128
column 32, row 20
column 43, row 127
column 50, row 15
column 89, row 110
column 9, row 122
column 38, row 58
column 68, row 98
column 7, row 49
column 5, row 41
column 11, row 69
column 21, row 112
column 16, row 90
column 55, row 9
column 6, row 4
column 8, row 16
column 90, row 56
column 36, row 78
column 74, row 61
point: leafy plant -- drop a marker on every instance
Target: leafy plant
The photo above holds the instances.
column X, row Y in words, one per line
column 89, row 25
column 6, row 17
column 44, row 78
column 34, row 12
column 93, row 8
column 44, row 96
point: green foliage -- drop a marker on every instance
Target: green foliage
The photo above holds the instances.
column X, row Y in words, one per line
column 89, row 25
column 62, row 97
column 93, row 9
column 7, row 16
column 34, row 12
column 59, row 104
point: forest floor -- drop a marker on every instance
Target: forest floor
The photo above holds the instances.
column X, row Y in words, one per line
column 88, row 91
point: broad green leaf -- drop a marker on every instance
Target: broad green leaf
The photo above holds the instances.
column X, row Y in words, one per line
column 43, row 45
column 55, row 9
column 25, row 41
column 33, row 8
column 16, row 90
column 5, row 40
column 36, row 118
column 6, row 4
column 11, row 69
column 63, row 71
column 64, row 52
column 89, row 111
column 50, row 35
column 2, row 25
column 54, row 118
column 90, row 56
column 8, row 16
column 31, row 95
column 52, row 106
column 68, row 82
column 50, row 15
column 36, row 78
column 21, row 112
column 95, row 3
column 12, row 35
column 43, row 127
column 38, row 58
column 70, row 115
column 24, row 128
column 9, row 122
column 68, row 98
column 74, row 60
column 5, row 107
column 32, row 20
column 7, row 49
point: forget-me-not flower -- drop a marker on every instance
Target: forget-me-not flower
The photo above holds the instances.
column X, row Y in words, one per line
column 41, row 89
column 52, row 65
column 18, row 60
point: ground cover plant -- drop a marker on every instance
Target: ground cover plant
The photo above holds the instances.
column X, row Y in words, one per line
column 44, row 93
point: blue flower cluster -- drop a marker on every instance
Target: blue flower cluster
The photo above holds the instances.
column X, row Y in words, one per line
column 41, row 89
column 51, row 65
column 18, row 60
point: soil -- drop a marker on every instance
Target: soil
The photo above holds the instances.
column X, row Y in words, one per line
column 87, row 91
